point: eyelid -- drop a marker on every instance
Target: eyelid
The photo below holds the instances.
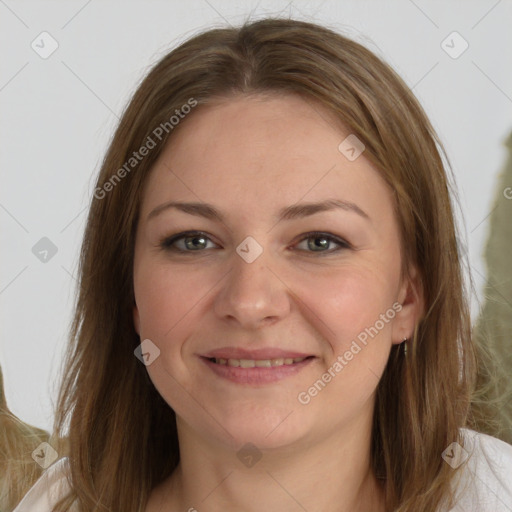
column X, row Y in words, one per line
column 166, row 243
column 328, row 236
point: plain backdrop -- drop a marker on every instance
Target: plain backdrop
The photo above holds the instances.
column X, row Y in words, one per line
column 58, row 114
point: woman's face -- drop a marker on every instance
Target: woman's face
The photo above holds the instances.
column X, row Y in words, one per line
column 254, row 288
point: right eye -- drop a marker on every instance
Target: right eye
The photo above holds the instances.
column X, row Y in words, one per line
column 188, row 241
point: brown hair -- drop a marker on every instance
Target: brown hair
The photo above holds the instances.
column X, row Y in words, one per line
column 122, row 433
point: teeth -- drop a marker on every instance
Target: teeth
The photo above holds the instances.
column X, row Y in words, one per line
column 260, row 363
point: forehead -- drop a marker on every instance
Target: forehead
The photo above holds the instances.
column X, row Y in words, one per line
column 266, row 150
column 256, row 126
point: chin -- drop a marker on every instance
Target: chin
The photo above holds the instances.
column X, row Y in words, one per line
column 264, row 427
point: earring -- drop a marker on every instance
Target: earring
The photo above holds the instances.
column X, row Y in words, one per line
column 405, row 346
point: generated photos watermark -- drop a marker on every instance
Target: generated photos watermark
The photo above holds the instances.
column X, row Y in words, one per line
column 157, row 135
column 304, row 397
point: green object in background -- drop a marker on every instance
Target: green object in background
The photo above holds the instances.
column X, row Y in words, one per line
column 493, row 328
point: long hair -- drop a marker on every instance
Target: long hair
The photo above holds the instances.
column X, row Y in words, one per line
column 18, row 440
column 122, row 434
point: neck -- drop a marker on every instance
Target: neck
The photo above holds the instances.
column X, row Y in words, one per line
column 333, row 474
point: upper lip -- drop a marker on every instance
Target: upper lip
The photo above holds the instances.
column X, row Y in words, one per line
column 254, row 354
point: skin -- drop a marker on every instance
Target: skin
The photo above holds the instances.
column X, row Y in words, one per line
column 249, row 157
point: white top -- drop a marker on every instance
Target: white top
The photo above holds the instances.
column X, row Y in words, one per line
column 484, row 484
column 49, row 488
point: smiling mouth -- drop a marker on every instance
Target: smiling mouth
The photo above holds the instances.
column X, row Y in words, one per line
column 258, row 363
column 257, row 372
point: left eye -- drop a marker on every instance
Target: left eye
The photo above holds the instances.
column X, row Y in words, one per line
column 321, row 241
column 195, row 241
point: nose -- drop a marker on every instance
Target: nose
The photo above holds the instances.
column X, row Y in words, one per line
column 252, row 294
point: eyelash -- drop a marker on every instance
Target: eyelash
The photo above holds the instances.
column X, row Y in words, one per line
column 167, row 243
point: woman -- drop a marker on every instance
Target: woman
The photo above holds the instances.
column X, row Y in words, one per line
column 272, row 236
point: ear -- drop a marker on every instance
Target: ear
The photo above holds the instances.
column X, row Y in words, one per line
column 411, row 299
column 136, row 319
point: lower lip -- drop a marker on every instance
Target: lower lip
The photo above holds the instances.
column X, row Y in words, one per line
column 256, row 375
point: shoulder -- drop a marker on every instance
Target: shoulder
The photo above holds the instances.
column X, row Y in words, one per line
column 51, row 486
column 484, row 481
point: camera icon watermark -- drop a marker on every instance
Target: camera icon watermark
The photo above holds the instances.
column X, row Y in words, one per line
column 45, row 455
column 249, row 249
column 44, row 250
column 454, row 45
column 44, row 45
column 249, row 455
column 147, row 352
column 351, row 147
column 455, row 455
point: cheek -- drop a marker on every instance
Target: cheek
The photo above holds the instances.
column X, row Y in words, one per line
column 350, row 304
column 164, row 298
column 168, row 302
column 359, row 311
column 348, row 301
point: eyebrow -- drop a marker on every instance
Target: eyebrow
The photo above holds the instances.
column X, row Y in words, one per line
column 295, row 211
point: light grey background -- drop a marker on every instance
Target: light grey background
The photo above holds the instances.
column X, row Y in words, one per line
column 58, row 115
